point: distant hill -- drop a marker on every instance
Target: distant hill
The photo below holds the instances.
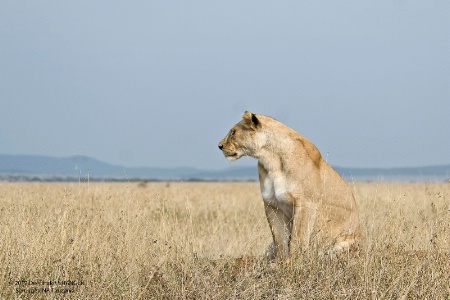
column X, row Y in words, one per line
column 426, row 173
column 48, row 168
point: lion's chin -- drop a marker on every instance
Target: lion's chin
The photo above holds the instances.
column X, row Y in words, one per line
column 233, row 157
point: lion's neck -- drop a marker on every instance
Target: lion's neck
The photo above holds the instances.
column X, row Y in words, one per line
column 270, row 161
column 275, row 152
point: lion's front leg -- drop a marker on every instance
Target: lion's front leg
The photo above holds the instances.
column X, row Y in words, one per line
column 304, row 219
column 279, row 225
column 271, row 253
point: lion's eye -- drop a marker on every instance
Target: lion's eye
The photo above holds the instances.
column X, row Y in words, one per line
column 232, row 132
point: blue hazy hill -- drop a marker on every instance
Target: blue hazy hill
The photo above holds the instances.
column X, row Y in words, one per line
column 35, row 167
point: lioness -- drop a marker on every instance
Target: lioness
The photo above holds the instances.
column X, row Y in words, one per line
column 305, row 200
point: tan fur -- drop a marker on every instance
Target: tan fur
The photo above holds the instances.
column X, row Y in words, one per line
column 306, row 201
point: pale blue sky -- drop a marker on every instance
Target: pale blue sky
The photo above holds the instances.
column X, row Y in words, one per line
column 159, row 83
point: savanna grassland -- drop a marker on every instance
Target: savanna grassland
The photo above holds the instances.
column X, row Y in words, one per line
column 207, row 240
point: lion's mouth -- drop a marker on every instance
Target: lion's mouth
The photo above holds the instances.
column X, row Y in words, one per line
column 229, row 153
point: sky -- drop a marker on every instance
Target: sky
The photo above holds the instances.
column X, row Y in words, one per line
column 160, row 83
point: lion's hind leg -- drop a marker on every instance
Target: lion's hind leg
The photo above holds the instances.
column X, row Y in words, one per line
column 346, row 244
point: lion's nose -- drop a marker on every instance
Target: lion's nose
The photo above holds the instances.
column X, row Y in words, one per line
column 220, row 146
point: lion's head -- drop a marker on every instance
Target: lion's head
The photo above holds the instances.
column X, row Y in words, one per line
column 241, row 139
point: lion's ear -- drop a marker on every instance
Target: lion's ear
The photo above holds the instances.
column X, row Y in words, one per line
column 251, row 119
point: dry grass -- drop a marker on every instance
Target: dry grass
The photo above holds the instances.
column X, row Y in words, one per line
column 185, row 240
